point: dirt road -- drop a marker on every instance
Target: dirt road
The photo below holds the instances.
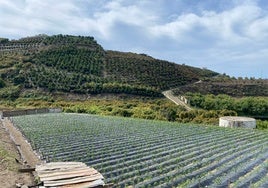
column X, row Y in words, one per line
column 10, row 158
column 168, row 94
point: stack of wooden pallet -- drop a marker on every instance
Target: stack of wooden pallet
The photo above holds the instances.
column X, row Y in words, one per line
column 69, row 174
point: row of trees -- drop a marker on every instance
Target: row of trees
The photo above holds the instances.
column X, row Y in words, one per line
column 137, row 68
column 72, row 59
column 79, row 65
column 160, row 109
column 252, row 106
column 226, row 85
column 69, row 39
column 157, row 109
column 53, row 40
column 54, row 80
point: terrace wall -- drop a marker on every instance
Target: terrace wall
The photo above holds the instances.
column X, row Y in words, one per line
column 19, row 47
column 29, row 112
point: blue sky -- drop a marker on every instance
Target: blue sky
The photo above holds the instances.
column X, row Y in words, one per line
column 227, row 36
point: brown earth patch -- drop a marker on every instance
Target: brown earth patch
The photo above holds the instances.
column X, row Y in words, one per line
column 15, row 153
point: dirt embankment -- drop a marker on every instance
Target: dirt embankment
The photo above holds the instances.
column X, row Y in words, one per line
column 15, row 153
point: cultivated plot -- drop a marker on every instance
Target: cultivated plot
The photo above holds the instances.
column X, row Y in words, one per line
column 152, row 153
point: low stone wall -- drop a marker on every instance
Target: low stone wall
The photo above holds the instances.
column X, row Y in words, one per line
column 29, row 112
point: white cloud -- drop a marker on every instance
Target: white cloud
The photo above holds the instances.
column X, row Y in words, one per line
column 246, row 20
column 21, row 17
column 69, row 16
column 115, row 12
column 259, row 29
column 235, row 25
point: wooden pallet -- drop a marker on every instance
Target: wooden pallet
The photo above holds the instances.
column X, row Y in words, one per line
column 69, row 175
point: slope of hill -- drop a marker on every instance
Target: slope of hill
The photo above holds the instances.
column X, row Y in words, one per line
column 226, row 85
column 78, row 64
column 143, row 69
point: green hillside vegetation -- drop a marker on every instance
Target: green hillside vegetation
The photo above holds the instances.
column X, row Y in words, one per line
column 250, row 106
column 223, row 84
column 244, row 96
column 78, row 64
column 143, row 69
column 48, row 71
column 215, row 106
column 144, row 108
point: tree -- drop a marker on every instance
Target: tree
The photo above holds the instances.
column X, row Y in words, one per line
column 2, row 83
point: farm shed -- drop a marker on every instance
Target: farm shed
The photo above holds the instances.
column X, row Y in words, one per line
column 237, row 121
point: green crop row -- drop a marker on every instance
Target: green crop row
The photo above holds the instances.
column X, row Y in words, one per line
column 147, row 153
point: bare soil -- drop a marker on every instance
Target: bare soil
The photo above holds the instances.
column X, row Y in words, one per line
column 15, row 153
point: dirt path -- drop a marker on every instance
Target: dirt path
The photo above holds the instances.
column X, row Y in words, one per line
column 168, row 94
column 11, row 144
column 24, row 148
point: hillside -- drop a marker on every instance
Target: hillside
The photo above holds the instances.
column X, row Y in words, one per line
column 78, row 64
column 143, row 69
column 225, row 85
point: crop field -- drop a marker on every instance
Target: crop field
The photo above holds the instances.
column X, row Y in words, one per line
column 142, row 153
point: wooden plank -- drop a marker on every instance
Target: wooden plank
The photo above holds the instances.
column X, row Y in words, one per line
column 66, row 176
column 62, row 170
column 69, row 171
column 26, row 169
column 73, row 180
column 59, row 165
column 69, row 174
column 109, row 185
column 44, row 168
column 85, row 185
column 62, row 163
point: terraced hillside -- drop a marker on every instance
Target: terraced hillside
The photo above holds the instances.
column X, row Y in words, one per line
column 143, row 69
column 78, row 64
column 140, row 153
column 226, row 85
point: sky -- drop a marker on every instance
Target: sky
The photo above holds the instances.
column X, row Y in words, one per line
column 226, row 36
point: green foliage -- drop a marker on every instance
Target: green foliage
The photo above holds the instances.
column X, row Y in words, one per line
column 78, row 64
column 169, row 113
column 72, row 59
column 252, row 106
column 8, row 61
column 69, row 39
column 226, row 85
column 10, row 93
column 34, row 95
column 262, row 124
column 2, row 83
column 204, row 116
column 4, row 40
column 31, row 39
column 122, row 112
column 60, row 80
column 138, row 68
column 160, row 109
